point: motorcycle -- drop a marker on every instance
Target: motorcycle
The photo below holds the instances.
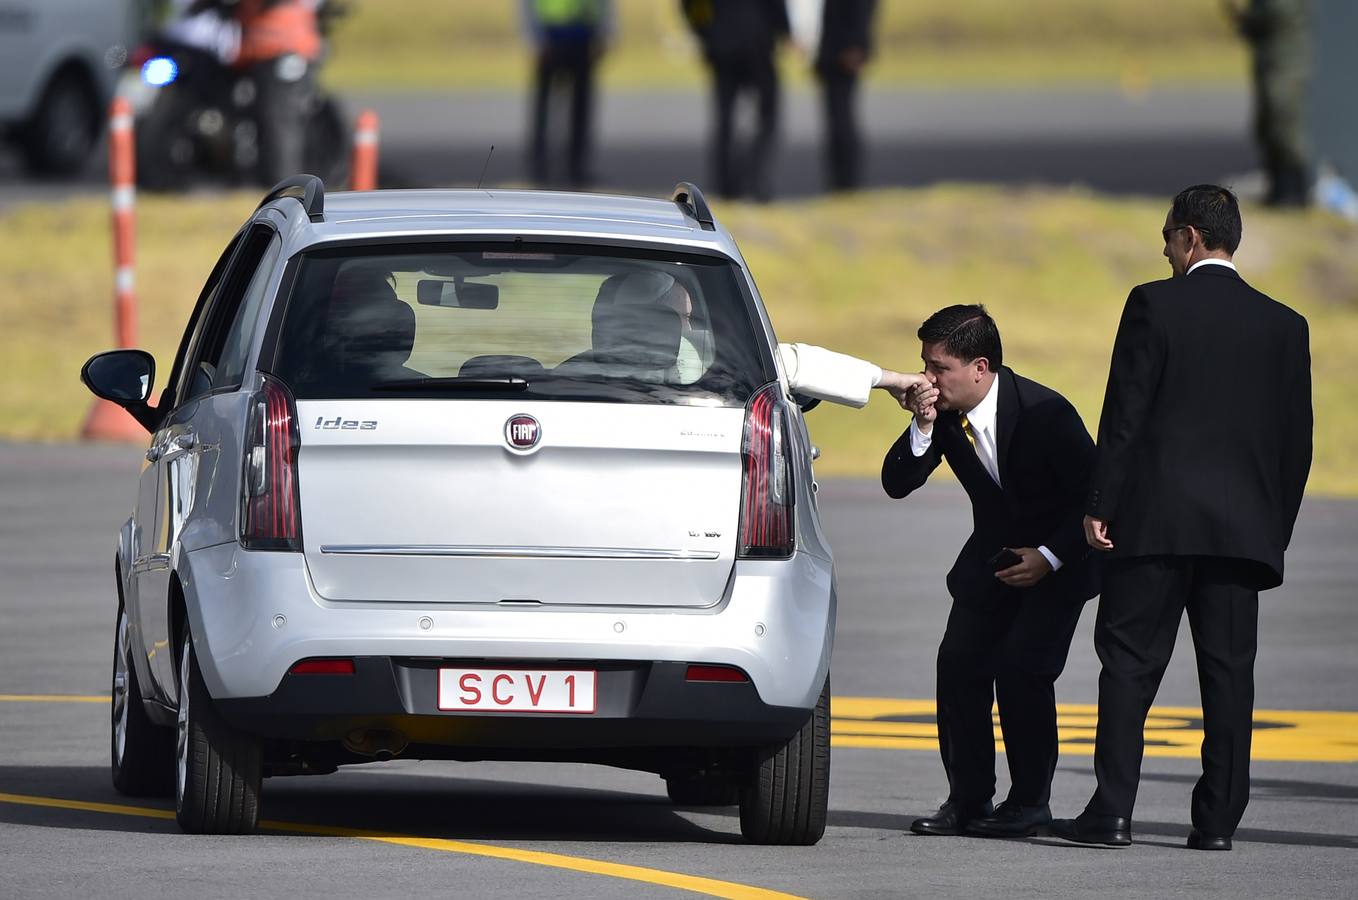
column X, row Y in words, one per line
column 195, row 119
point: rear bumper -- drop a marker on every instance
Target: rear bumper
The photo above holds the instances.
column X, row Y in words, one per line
column 638, row 705
column 254, row 614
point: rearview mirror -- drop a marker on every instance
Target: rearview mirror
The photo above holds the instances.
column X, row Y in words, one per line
column 457, row 294
column 123, row 377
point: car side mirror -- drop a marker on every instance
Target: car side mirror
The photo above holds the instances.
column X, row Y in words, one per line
column 123, row 377
column 457, row 294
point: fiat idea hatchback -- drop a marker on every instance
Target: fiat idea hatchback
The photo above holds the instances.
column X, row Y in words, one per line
column 468, row 475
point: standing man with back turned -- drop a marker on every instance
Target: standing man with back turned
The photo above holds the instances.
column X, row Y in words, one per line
column 1024, row 457
column 1194, row 497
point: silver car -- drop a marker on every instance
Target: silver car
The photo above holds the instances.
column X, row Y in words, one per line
column 473, row 475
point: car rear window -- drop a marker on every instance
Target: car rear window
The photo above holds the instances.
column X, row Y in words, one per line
column 545, row 321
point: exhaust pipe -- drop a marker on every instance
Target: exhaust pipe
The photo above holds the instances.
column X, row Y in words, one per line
column 380, row 743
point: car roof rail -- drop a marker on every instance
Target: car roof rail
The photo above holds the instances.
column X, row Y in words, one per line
column 308, row 190
column 692, row 203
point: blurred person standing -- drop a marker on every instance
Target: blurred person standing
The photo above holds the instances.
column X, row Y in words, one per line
column 1194, row 497
column 739, row 39
column 569, row 38
column 280, row 43
column 1279, row 35
column 843, row 50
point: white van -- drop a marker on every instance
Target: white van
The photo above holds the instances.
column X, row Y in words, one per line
column 59, row 61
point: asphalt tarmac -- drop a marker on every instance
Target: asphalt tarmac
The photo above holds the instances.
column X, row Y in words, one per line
column 1151, row 142
column 528, row 830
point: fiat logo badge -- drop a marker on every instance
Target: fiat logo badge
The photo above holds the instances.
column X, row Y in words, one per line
column 522, row 432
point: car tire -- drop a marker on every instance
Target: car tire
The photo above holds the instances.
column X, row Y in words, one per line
column 63, row 130
column 142, row 752
column 699, row 790
column 217, row 768
column 786, row 798
column 165, row 148
column 327, row 141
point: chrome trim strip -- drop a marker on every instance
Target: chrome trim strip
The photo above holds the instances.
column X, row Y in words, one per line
column 457, row 550
column 151, row 563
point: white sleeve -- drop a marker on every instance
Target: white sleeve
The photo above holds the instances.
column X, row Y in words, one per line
column 919, row 441
column 1051, row 557
column 826, row 375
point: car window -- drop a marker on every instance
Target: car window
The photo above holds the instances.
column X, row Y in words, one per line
column 546, row 321
column 236, row 346
column 178, row 384
column 206, row 353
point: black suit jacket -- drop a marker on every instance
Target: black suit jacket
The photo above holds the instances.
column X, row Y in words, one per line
column 1045, row 460
column 737, row 29
column 845, row 25
column 1205, row 438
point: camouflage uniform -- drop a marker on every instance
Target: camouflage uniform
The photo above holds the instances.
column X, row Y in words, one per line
column 1279, row 35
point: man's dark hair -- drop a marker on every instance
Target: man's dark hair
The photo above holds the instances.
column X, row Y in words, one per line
column 1214, row 211
column 966, row 332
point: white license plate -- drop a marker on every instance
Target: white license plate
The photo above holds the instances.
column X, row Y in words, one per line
column 518, row 690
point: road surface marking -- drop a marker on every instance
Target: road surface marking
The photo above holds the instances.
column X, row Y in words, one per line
column 1177, row 731
column 883, row 723
column 698, row 885
column 51, row 698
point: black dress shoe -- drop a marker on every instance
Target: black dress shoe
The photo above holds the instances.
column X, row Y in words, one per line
column 1010, row 820
column 1199, row 841
column 1091, row 828
column 951, row 819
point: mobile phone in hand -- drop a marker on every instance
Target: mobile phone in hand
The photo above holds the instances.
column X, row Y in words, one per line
column 1003, row 559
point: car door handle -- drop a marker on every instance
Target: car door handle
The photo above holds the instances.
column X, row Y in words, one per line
column 186, row 441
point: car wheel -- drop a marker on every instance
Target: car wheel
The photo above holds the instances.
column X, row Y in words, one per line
column 142, row 751
column 699, row 790
column 217, row 768
column 60, row 136
column 786, row 798
column 327, row 141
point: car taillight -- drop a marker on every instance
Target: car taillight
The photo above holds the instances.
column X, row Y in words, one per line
column 270, row 516
column 766, row 489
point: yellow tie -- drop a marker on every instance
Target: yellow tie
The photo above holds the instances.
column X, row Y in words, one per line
column 966, row 429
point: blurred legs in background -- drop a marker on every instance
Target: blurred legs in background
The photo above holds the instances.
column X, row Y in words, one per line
column 563, row 65
column 741, row 169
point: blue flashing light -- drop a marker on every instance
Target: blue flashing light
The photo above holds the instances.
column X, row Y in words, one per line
column 159, row 71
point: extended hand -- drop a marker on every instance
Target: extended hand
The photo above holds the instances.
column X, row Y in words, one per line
column 1096, row 533
column 898, row 384
column 920, row 400
column 1027, row 573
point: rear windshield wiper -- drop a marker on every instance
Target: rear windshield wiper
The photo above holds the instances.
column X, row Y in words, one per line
column 455, row 383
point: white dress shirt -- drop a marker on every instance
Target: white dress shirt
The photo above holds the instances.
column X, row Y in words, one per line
column 827, row 375
column 1212, row 261
column 983, row 419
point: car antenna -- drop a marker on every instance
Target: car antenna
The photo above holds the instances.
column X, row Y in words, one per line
column 484, row 165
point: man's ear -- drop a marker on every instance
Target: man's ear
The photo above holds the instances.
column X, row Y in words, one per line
column 982, row 365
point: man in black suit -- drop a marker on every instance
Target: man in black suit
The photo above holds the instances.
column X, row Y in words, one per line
column 1193, row 497
column 1024, row 457
column 739, row 40
column 845, row 45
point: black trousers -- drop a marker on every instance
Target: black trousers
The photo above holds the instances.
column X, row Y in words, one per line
column 282, row 114
column 1142, row 603
column 745, row 169
column 568, row 64
column 1010, row 650
column 843, row 145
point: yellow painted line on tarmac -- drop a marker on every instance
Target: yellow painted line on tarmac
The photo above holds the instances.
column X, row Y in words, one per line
column 1172, row 731
column 51, row 698
column 709, row 886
